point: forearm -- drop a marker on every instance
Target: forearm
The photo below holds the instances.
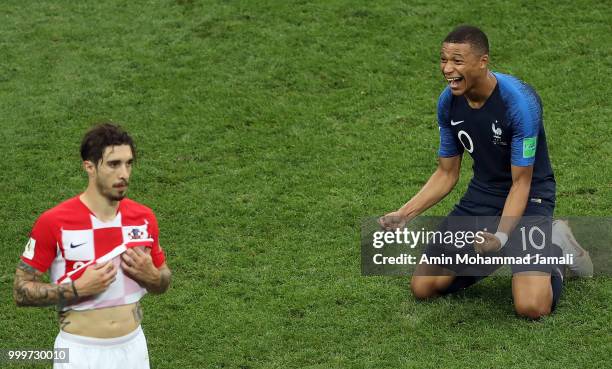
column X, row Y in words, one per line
column 514, row 207
column 28, row 290
column 159, row 283
column 437, row 187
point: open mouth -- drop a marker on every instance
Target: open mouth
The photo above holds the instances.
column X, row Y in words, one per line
column 454, row 81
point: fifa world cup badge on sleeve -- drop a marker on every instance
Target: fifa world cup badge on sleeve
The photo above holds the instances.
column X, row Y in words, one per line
column 529, row 147
column 28, row 253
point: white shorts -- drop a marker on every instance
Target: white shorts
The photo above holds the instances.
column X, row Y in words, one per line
column 125, row 352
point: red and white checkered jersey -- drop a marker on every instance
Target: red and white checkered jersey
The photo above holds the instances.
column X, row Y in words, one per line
column 69, row 237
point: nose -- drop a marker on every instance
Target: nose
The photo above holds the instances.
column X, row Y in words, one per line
column 124, row 173
column 447, row 68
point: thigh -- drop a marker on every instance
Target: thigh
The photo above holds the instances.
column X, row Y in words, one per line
column 467, row 217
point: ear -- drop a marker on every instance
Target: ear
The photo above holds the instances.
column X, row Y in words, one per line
column 89, row 167
column 484, row 61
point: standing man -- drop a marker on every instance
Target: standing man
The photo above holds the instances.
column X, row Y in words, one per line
column 103, row 254
column 497, row 119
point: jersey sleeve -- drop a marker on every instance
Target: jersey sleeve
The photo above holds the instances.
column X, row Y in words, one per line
column 157, row 254
column 449, row 145
column 41, row 249
column 525, row 118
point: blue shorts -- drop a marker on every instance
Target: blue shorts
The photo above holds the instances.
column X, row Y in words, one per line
column 531, row 236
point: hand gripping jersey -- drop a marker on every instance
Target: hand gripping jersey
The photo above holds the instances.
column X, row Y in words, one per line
column 68, row 238
column 507, row 130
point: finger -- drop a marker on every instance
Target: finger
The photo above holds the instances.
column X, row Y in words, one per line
column 104, row 280
column 111, row 268
column 110, row 281
column 108, row 277
column 127, row 268
column 137, row 251
column 384, row 223
column 100, row 265
column 128, row 259
column 139, row 257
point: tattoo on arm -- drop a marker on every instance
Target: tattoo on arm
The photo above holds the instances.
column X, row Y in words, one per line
column 28, row 290
column 164, row 281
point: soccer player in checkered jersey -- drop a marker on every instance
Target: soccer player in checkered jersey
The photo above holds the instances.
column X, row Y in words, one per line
column 497, row 119
column 102, row 252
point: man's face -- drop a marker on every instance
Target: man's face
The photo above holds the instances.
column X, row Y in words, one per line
column 462, row 66
column 112, row 173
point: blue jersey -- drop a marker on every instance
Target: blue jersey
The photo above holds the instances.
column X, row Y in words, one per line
column 506, row 130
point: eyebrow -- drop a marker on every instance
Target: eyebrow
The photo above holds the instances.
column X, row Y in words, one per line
column 453, row 55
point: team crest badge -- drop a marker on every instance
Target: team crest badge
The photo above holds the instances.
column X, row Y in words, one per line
column 135, row 234
column 497, row 133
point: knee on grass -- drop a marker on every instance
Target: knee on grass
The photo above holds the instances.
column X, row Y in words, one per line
column 532, row 308
column 424, row 288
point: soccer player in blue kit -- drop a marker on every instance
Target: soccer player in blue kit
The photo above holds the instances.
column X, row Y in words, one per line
column 497, row 119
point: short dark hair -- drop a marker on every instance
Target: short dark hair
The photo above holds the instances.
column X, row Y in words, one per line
column 466, row 34
column 101, row 136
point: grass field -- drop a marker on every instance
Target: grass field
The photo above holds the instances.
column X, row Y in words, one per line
column 267, row 131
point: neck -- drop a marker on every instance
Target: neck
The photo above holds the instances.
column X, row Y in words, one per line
column 479, row 94
column 103, row 208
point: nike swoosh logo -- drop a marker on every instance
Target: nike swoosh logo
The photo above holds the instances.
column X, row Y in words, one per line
column 72, row 246
column 455, row 123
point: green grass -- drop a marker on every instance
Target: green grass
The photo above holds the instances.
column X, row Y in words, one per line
column 267, row 131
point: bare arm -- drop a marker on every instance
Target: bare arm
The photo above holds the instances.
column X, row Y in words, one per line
column 28, row 290
column 516, row 202
column 440, row 184
column 514, row 207
column 161, row 284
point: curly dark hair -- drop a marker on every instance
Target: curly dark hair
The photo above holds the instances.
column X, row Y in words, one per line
column 101, row 136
